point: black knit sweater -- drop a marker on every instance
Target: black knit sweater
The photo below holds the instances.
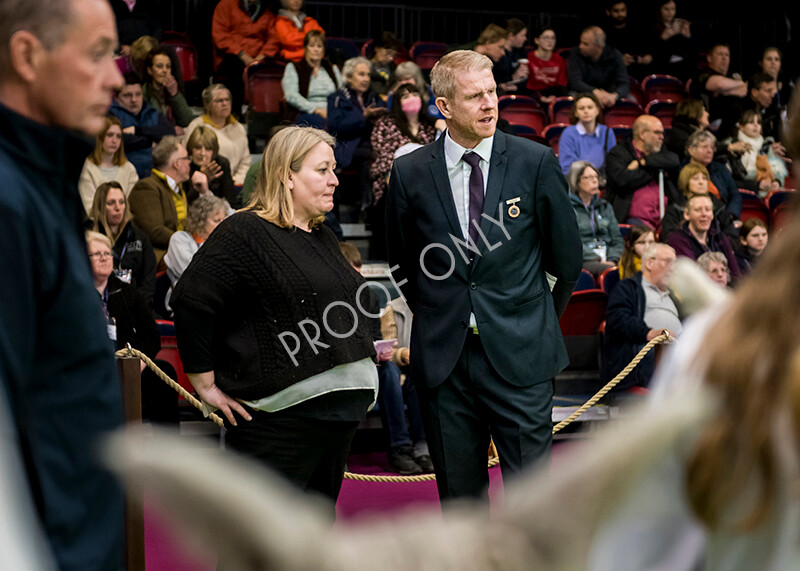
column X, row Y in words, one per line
column 253, row 281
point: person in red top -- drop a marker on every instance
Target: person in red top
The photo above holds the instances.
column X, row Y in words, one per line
column 243, row 31
column 547, row 71
column 291, row 27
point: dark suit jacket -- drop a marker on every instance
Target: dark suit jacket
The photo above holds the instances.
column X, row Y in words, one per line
column 505, row 287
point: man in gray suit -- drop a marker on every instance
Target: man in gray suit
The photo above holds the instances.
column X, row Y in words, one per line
column 474, row 220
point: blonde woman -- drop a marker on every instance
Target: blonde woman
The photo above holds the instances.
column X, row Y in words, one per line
column 266, row 277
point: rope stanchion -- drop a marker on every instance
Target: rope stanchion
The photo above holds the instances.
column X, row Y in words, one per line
column 663, row 338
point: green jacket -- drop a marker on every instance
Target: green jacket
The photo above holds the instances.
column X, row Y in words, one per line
column 606, row 227
column 181, row 112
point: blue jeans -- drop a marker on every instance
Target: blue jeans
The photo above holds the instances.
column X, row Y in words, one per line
column 392, row 406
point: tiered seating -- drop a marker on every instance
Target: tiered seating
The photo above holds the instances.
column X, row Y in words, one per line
column 553, row 134
column 560, row 109
column 426, row 54
column 185, row 52
column 581, row 325
column 663, row 87
column 623, row 114
column 663, row 109
column 522, row 110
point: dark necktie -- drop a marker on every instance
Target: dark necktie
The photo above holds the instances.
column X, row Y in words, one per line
column 475, row 193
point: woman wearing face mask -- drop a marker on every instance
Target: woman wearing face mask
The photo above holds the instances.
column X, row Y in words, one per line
column 407, row 122
column 106, row 163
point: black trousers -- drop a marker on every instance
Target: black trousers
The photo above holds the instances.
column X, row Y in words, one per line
column 309, row 452
column 472, row 403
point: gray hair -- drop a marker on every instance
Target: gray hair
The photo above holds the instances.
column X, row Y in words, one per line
column 652, row 251
column 48, row 20
column 208, row 94
column 699, row 137
column 704, row 261
column 410, row 69
column 164, row 150
column 576, row 172
column 350, row 65
column 443, row 74
column 201, row 210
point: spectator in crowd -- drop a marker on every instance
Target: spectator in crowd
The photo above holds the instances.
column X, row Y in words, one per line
column 308, row 82
column 408, row 449
column 203, row 148
column 142, row 47
column 231, row 134
column 136, row 19
column 753, row 239
column 130, row 320
column 107, row 162
column 409, row 72
column 161, row 90
column 204, row 215
column 715, row 265
column 640, row 308
column 382, row 64
column 586, row 139
column 722, row 92
column 674, row 52
column 690, row 115
column 762, row 91
column 700, row 148
column 600, row 236
column 694, row 179
column 770, row 63
column 639, row 239
column 352, row 111
column 597, row 68
column 629, row 39
column 293, row 409
column 159, row 202
column 492, row 43
column 698, row 234
column 758, row 163
column 407, row 122
column 60, row 390
column 508, row 69
column 547, row 71
column 292, row 26
column 633, row 169
column 142, row 125
column 242, row 33
column 134, row 261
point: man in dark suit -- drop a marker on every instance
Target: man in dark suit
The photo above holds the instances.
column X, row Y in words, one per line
column 474, row 221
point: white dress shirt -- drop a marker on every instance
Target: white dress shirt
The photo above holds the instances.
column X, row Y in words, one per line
column 458, row 171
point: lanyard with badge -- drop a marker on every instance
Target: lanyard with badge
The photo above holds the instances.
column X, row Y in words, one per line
column 123, row 275
column 597, row 246
column 111, row 323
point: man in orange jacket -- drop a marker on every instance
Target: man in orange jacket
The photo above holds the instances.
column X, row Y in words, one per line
column 243, row 32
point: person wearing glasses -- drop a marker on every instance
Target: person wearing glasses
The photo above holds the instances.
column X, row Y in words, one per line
column 159, row 202
column 639, row 309
column 600, row 235
column 633, row 168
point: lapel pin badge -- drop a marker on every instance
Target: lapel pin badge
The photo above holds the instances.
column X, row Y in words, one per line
column 513, row 209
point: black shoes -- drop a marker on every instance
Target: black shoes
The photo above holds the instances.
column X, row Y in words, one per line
column 425, row 463
column 402, row 462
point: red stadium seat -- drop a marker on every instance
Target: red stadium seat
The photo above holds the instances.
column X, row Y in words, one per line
column 426, row 54
column 262, row 87
column 522, row 110
column 553, row 135
column 664, row 110
column 560, row 109
column 608, row 279
column 623, row 114
column 778, row 197
column 753, row 206
column 658, row 86
column 185, row 52
column 585, row 312
column 585, row 281
column 169, row 353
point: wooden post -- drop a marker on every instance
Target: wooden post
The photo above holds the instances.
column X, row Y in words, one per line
column 131, row 378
